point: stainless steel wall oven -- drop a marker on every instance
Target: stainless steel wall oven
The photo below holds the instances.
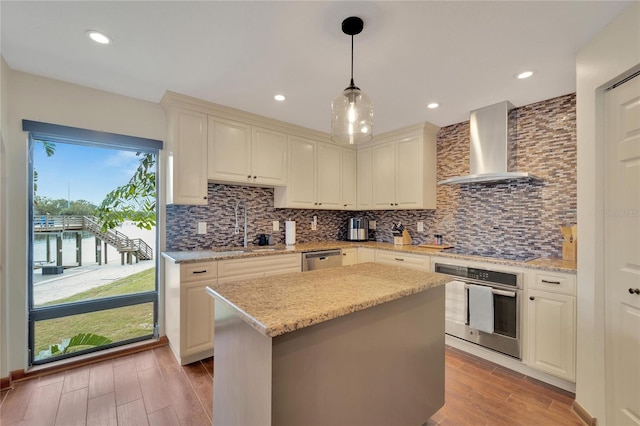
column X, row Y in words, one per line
column 506, row 289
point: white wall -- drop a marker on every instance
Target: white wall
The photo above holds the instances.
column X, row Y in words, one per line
column 612, row 53
column 52, row 101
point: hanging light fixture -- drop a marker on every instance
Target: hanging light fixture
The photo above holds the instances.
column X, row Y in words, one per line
column 352, row 110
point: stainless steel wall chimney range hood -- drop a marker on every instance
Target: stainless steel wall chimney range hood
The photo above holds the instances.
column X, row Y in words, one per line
column 492, row 154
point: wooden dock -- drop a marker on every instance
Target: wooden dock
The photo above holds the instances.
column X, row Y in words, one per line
column 55, row 226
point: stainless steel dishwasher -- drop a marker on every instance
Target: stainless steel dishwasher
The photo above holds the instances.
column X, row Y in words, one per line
column 321, row 259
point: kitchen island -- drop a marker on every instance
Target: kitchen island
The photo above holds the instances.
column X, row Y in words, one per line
column 353, row 345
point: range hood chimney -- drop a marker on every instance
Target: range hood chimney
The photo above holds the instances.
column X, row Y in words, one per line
column 492, row 154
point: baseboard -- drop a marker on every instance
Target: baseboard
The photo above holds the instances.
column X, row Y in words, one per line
column 584, row 415
column 55, row 367
column 5, row 383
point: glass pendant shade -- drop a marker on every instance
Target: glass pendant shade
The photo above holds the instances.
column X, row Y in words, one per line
column 351, row 117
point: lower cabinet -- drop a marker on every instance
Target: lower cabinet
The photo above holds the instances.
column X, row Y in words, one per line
column 551, row 328
column 189, row 311
column 349, row 256
column 258, row 267
column 406, row 260
column 366, row 255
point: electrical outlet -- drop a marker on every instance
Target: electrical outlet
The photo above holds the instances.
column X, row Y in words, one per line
column 314, row 226
column 372, row 224
column 276, row 225
column 420, row 226
column 202, row 227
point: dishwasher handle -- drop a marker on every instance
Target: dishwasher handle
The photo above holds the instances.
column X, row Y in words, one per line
column 322, row 255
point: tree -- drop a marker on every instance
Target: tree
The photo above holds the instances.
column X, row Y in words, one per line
column 49, row 149
column 134, row 201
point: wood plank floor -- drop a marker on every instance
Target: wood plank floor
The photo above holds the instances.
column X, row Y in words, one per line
column 151, row 388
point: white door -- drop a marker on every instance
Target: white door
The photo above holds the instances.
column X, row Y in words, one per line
column 622, row 253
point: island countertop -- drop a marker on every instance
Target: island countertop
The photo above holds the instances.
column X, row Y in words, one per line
column 284, row 303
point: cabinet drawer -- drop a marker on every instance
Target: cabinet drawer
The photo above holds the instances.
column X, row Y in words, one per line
column 394, row 258
column 198, row 271
column 557, row 283
column 263, row 264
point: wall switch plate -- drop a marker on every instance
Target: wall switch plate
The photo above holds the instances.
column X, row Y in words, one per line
column 372, row 224
column 202, row 227
column 420, row 226
column 276, row 225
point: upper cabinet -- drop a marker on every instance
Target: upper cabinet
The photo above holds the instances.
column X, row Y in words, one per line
column 209, row 142
column 186, row 157
column 316, row 176
column 402, row 167
column 239, row 153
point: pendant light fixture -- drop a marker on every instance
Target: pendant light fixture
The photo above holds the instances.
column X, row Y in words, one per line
column 352, row 110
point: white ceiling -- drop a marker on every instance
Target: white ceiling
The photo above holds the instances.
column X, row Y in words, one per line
column 461, row 54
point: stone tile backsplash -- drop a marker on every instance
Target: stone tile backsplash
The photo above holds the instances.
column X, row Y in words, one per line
column 513, row 217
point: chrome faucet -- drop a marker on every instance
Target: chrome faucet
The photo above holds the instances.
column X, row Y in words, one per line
column 236, row 231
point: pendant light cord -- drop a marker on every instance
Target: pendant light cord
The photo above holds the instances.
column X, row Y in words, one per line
column 352, row 83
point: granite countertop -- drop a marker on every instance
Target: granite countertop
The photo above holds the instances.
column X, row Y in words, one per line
column 547, row 264
column 284, row 303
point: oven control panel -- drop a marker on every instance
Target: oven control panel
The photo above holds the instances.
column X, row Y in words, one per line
column 487, row 276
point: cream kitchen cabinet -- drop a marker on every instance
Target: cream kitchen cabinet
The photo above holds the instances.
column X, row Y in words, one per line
column 189, row 312
column 404, row 170
column 366, row 254
column 349, row 179
column 257, row 267
column 316, row 177
column 239, row 153
column 551, row 323
column 186, row 156
column 406, row 260
column 364, row 173
column 349, row 256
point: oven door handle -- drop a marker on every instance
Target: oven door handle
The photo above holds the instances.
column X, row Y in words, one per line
column 503, row 293
column 499, row 292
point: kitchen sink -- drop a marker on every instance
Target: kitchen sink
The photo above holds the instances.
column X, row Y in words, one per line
column 228, row 253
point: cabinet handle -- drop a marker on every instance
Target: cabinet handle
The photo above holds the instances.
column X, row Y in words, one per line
column 532, row 298
column 319, row 204
column 199, row 272
column 248, row 176
column 551, row 282
column 205, row 197
column 344, row 205
column 396, row 204
column 399, row 259
column 344, row 254
column 391, row 204
column 255, row 177
column 634, row 290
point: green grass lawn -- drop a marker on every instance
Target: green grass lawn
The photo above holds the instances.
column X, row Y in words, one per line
column 116, row 324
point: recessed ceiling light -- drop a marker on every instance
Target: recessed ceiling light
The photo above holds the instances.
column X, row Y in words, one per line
column 98, row 37
column 524, row 74
column 433, row 105
column 279, row 98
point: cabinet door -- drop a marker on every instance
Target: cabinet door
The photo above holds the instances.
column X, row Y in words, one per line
column 366, row 255
column 302, row 172
column 269, row 157
column 409, row 184
column 229, row 151
column 551, row 333
column 329, row 176
column 364, row 168
column 187, row 177
column 348, row 179
column 384, row 176
column 197, row 318
column 349, row 256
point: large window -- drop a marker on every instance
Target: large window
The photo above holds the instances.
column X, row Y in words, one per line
column 93, row 241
